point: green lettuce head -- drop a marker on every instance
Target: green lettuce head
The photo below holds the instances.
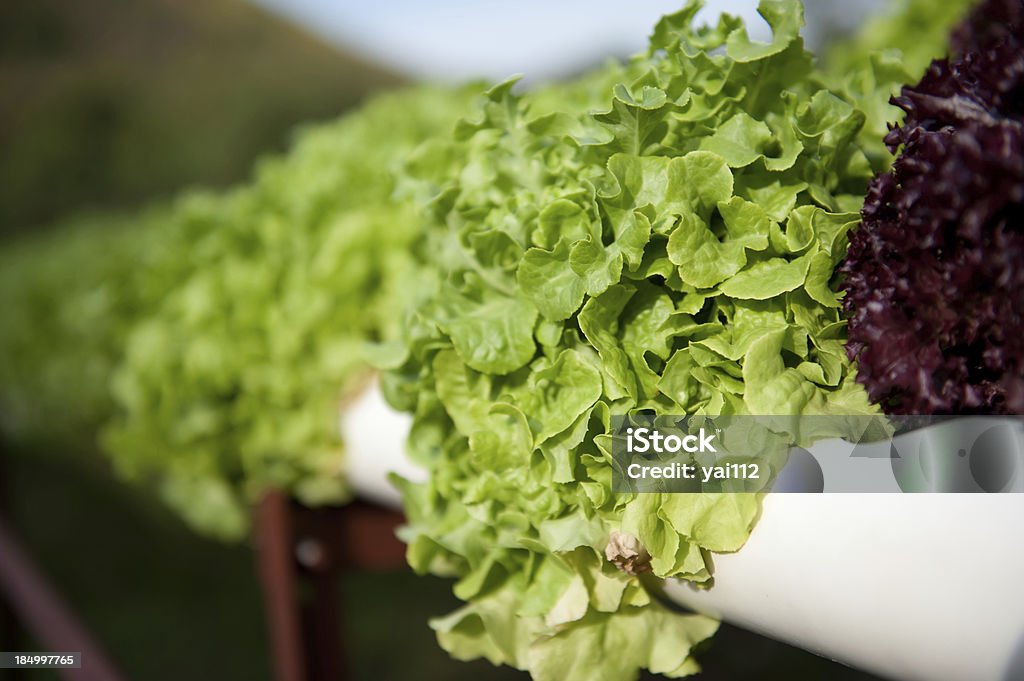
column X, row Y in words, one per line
column 261, row 301
column 672, row 252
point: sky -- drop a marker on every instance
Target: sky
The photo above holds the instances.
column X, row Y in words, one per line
column 454, row 40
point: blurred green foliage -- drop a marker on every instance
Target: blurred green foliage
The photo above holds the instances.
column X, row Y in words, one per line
column 260, row 302
column 919, row 29
column 107, row 103
column 68, row 296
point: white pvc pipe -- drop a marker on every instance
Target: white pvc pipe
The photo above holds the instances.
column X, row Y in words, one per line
column 915, row 587
column 374, row 435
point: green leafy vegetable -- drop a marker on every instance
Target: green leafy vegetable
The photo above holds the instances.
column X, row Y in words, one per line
column 266, row 297
column 671, row 251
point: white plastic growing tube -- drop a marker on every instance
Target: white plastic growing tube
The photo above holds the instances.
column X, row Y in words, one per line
column 916, row 587
column 923, row 587
column 374, row 435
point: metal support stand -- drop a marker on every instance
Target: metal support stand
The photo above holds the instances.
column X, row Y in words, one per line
column 302, row 555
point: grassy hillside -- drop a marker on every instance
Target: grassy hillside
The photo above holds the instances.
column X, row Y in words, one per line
column 105, row 103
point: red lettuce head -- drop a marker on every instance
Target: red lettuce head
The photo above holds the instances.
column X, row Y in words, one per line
column 934, row 277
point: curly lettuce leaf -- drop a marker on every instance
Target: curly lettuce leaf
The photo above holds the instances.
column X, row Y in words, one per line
column 660, row 235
